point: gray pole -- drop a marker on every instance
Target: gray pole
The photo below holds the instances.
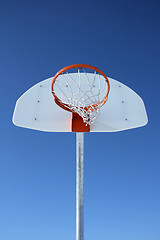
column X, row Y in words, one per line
column 79, row 186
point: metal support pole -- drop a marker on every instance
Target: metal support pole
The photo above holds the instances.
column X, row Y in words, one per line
column 79, row 186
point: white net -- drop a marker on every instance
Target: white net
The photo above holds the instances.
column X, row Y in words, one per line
column 82, row 92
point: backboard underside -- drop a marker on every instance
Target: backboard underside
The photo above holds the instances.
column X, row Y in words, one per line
column 36, row 109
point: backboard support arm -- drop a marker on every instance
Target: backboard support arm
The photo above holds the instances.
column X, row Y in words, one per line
column 79, row 186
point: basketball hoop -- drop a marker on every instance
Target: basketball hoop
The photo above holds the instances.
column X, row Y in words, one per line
column 81, row 89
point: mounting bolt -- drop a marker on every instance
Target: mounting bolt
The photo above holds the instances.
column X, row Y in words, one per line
column 38, row 100
column 122, row 101
column 35, row 118
column 119, row 86
column 40, row 85
column 126, row 119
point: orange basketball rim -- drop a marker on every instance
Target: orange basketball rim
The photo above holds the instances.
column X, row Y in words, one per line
column 78, row 123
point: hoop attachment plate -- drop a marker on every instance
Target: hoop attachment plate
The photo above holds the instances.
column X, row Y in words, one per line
column 78, row 124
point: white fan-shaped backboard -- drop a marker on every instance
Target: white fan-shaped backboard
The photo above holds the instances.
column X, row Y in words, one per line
column 36, row 109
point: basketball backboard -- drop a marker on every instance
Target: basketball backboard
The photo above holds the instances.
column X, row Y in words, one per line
column 36, row 109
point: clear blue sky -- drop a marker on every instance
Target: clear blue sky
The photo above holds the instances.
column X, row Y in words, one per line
column 37, row 170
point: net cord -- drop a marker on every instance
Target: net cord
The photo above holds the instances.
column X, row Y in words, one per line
column 88, row 104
